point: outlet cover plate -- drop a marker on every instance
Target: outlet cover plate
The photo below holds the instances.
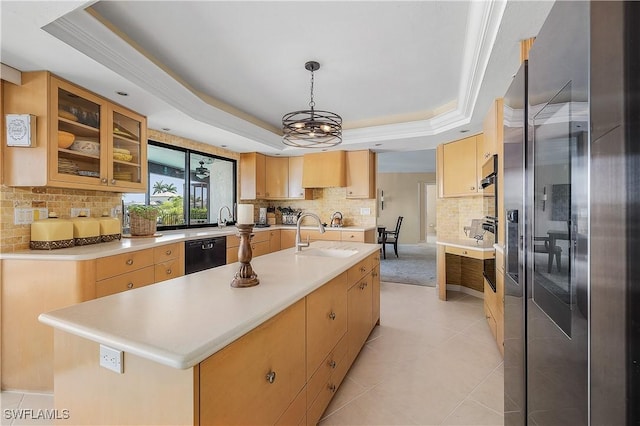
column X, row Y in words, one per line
column 365, row 211
column 111, row 359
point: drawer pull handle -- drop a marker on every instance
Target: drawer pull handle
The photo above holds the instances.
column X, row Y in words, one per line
column 129, row 262
column 352, row 236
column 168, row 252
column 271, row 376
column 374, row 274
column 332, row 316
column 332, row 388
column 207, row 246
column 362, row 269
column 168, row 271
column 332, row 364
column 130, row 285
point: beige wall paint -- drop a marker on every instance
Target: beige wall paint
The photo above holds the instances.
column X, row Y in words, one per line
column 403, row 196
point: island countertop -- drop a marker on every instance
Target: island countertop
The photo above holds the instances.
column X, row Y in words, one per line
column 182, row 321
column 125, row 245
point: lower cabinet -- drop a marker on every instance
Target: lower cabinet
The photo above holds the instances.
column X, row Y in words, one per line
column 360, row 306
column 263, row 242
column 256, row 378
column 332, row 234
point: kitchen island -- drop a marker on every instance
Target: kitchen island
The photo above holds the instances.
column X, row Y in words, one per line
column 197, row 351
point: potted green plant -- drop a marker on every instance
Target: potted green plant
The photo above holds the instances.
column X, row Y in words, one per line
column 143, row 219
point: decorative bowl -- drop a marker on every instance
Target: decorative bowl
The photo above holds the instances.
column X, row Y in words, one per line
column 86, row 146
column 65, row 139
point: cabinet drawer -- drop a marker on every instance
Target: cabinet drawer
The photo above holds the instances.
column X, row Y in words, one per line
column 357, row 236
column 491, row 321
column 357, row 271
column 111, row 266
column 259, row 237
column 295, row 414
column 466, row 252
column 327, row 391
column 169, row 269
column 260, row 248
column 234, row 382
column 315, row 235
column 322, row 375
column 123, row 282
column 232, row 255
column 374, row 260
column 326, row 320
column 233, row 241
column 167, row 252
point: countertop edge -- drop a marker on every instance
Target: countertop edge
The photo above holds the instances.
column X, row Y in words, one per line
column 126, row 245
column 471, row 245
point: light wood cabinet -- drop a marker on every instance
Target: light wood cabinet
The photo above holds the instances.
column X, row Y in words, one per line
column 263, row 242
column 457, row 169
column 494, row 303
column 124, row 282
column 276, row 178
column 287, row 238
column 375, row 287
column 326, row 320
column 361, row 174
column 252, row 176
column 324, row 169
column 360, row 307
column 169, row 261
column 254, row 379
column 296, row 191
column 109, row 150
column 492, row 130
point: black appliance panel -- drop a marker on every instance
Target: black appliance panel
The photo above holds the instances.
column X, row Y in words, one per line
column 204, row 254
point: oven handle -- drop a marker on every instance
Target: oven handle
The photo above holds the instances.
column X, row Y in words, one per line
column 489, row 180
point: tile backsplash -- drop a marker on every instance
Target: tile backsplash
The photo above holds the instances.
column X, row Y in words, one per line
column 453, row 214
column 16, row 237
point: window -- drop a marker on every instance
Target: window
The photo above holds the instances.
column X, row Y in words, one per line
column 186, row 199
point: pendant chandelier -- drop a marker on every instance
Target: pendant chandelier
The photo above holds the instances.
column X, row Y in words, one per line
column 202, row 172
column 312, row 128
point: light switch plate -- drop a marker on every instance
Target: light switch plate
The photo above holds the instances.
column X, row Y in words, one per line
column 365, row 211
column 111, row 359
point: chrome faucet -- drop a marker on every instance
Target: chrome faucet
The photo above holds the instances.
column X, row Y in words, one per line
column 299, row 243
column 220, row 223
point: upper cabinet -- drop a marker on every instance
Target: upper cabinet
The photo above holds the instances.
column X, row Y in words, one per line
column 276, row 178
column 83, row 141
column 324, row 170
column 492, row 131
column 361, row 174
column 457, row 168
column 252, row 176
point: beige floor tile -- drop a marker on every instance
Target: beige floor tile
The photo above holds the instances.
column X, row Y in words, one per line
column 371, row 368
column 347, row 392
column 473, row 413
column 11, row 399
column 35, row 409
column 369, row 410
column 490, row 392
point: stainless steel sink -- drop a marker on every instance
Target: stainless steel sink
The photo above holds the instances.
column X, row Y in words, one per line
column 327, row 252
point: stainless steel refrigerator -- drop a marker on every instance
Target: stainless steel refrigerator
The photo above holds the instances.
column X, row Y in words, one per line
column 571, row 195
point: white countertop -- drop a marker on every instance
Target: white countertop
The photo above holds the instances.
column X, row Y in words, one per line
column 181, row 322
column 467, row 243
column 125, row 245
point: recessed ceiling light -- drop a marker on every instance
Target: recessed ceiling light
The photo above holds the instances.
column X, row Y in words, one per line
column 464, row 131
column 378, row 144
column 121, row 93
column 325, row 149
column 166, row 129
column 223, row 146
column 277, row 154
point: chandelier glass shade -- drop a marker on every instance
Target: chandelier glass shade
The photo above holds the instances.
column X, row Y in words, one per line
column 312, row 128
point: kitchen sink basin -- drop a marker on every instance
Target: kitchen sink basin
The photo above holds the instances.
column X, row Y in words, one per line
column 327, row 252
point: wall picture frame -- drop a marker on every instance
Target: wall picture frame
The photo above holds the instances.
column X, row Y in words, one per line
column 21, row 130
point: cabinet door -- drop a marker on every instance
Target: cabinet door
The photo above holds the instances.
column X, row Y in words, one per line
column 254, row 379
column 126, row 159
column 324, row 169
column 252, row 176
column 287, row 238
column 169, row 269
column 375, row 294
column 296, row 191
column 260, row 248
column 276, row 177
column 78, row 116
column 360, row 305
column 124, row 282
column 459, row 168
column 274, row 240
column 492, row 129
column 361, row 174
column 326, row 320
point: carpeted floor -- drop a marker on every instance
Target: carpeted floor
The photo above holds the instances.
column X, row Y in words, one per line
column 416, row 265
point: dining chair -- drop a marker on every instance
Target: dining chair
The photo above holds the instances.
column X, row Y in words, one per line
column 390, row 237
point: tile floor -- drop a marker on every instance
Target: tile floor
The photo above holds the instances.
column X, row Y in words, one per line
column 428, row 363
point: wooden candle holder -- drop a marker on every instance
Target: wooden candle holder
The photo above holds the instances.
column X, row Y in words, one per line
column 245, row 277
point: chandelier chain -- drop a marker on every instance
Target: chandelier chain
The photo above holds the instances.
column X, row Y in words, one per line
column 312, row 102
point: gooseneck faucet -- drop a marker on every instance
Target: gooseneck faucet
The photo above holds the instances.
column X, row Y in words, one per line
column 220, row 223
column 299, row 243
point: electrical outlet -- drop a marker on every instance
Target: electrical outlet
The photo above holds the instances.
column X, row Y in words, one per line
column 26, row 216
column 365, row 211
column 111, row 359
column 75, row 211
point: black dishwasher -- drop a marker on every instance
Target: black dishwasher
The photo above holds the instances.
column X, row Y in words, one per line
column 204, row 254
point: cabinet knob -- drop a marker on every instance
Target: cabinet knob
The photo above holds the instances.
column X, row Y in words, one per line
column 473, row 188
column 374, row 274
column 129, row 262
column 113, row 181
column 168, row 252
column 271, row 376
column 103, row 180
column 332, row 316
column 332, row 388
column 465, row 252
column 351, row 236
column 301, row 194
column 362, row 269
column 130, row 285
column 168, row 271
column 332, row 364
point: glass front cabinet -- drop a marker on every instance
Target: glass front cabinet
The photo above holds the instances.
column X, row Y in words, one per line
column 85, row 141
